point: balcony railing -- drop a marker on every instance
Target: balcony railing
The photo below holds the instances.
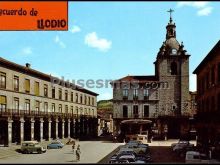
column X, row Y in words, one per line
column 15, row 112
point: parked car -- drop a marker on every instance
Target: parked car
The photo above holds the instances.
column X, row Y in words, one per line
column 31, row 147
column 179, row 142
column 182, row 147
column 55, row 145
column 137, row 148
column 196, row 157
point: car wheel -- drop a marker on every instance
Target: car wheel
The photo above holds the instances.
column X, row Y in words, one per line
column 39, row 151
column 25, row 151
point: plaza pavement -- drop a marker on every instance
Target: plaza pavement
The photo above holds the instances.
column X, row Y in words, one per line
column 91, row 152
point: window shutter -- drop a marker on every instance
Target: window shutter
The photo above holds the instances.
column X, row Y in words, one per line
column 2, row 99
column 27, row 85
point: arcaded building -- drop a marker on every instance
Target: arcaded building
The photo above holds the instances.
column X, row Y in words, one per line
column 208, row 100
column 157, row 103
column 37, row 106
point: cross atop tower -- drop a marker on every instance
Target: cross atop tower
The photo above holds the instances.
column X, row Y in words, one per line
column 170, row 11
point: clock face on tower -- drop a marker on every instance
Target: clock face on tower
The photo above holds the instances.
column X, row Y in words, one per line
column 174, row 52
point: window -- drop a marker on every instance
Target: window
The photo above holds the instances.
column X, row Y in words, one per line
column 93, row 102
column 89, row 100
column 76, row 97
column 45, row 107
column 3, row 103
column 146, row 110
column 146, row 94
column 16, row 83
column 77, row 111
column 27, row 105
column 72, row 96
column 71, row 109
column 85, row 98
column 53, row 92
column 66, row 95
column 135, row 110
column 36, row 88
column 135, row 93
column 125, row 111
column 81, row 99
column 93, row 112
column 27, row 86
column 125, row 92
column 66, row 109
column 37, row 106
column 173, row 68
column 60, row 108
column 2, row 80
column 218, row 72
column 85, row 111
column 16, row 104
column 60, row 94
column 53, row 107
column 45, row 90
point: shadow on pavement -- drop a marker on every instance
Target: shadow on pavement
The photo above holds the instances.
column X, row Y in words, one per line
column 164, row 154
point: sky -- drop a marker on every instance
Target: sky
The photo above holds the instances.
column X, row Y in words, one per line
column 110, row 40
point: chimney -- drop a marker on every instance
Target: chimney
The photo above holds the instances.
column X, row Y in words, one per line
column 28, row 65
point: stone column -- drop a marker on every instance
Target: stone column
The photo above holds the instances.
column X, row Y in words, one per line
column 22, row 129
column 87, row 126
column 63, row 128
column 74, row 128
column 49, row 129
column 32, row 128
column 10, row 121
column 41, row 128
column 69, row 128
column 57, row 121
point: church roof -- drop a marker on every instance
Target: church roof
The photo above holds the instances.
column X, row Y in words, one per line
column 213, row 53
column 172, row 43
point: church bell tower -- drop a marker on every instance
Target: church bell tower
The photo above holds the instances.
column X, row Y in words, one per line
column 172, row 68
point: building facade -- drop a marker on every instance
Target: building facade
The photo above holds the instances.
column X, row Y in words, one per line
column 37, row 106
column 208, row 100
column 162, row 100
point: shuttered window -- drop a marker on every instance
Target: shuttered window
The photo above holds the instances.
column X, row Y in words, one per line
column 2, row 99
column 36, row 89
column 3, row 103
column 27, row 86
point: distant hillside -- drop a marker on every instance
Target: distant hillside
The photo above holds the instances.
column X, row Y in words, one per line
column 105, row 104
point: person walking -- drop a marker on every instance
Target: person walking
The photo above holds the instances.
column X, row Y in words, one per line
column 78, row 152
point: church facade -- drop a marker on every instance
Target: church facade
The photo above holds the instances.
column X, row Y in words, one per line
column 161, row 100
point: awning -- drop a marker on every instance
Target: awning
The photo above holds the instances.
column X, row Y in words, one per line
column 136, row 121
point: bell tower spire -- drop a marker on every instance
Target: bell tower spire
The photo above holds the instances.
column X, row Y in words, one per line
column 170, row 11
column 171, row 27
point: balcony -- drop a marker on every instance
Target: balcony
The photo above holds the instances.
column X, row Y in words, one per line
column 146, row 97
column 135, row 97
column 26, row 113
column 125, row 97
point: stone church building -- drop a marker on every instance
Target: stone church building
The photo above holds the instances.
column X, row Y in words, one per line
column 156, row 104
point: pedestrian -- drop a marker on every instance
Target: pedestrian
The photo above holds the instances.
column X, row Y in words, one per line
column 78, row 152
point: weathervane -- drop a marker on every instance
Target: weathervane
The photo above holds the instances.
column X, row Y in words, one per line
column 170, row 11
